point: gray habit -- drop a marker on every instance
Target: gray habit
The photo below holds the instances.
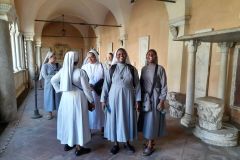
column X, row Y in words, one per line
column 152, row 118
column 51, row 98
column 121, row 124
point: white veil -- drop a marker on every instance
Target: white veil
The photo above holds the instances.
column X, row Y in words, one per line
column 49, row 54
column 93, row 51
column 67, row 70
column 115, row 60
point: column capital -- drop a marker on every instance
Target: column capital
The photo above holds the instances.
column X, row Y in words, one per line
column 12, row 29
column 38, row 41
column 7, row 12
column 224, row 46
column 28, row 36
column 193, row 45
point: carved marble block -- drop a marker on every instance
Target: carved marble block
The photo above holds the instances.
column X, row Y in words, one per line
column 210, row 112
column 176, row 104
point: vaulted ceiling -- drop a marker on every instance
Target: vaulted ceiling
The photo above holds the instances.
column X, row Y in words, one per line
column 88, row 11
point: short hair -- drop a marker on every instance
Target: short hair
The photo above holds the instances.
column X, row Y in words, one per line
column 110, row 53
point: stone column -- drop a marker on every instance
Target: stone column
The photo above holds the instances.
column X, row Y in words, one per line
column 17, row 51
column 98, row 43
column 21, row 50
column 8, row 105
column 98, row 40
column 13, row 47
column 188, row 119
column 38, row 54
column 31, row 58
column 224, row 47
column 86, row 49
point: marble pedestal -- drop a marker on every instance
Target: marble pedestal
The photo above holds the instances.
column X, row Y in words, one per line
column 227, row 136
column 176, row 104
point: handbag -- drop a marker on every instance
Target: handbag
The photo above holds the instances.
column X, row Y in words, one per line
column 146, row 103
column 162, row 123
column 97, row 87
column 90, row 107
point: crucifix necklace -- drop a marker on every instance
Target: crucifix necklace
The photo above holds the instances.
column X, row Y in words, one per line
column 121, row 72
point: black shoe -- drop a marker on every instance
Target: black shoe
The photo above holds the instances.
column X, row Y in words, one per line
column 115, row 149
column 129, row 147
column 82, row 151
column 148, row 151
column 68, row 148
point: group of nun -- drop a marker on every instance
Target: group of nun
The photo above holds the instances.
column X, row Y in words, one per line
column 115, row 109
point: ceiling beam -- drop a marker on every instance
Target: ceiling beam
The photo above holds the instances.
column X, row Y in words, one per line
column 79, row 23
column 58, row 36
column 171, row 1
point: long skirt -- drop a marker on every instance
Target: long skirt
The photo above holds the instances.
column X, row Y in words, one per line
column 72, row 122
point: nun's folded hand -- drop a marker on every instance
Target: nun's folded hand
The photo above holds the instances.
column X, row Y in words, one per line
column 160, row 106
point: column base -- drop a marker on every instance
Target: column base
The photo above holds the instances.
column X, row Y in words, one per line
column 188, row 121
column 227, row 136
column 36, row 114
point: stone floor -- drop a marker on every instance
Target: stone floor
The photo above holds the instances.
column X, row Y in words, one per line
column 35, row 139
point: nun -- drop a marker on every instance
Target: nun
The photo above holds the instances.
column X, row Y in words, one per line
column 72, row 123
column 95, row 72
column 108, row 62
column 121, row 95
column 153, row 84
column 51, row 99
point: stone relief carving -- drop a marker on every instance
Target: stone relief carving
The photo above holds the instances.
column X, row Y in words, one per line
column 210, row 112
column 210, row 128
column 176, row 104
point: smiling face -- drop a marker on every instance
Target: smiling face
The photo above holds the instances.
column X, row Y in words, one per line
column 121, row 56
column 151, row 56
column 92, row 58
column 52, row 59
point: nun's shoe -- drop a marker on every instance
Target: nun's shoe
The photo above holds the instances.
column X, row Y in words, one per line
column 82, row 151
column 49, row 117
column 68, row 148
column 129, row 147
column 148, row 151
column 115, row 149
